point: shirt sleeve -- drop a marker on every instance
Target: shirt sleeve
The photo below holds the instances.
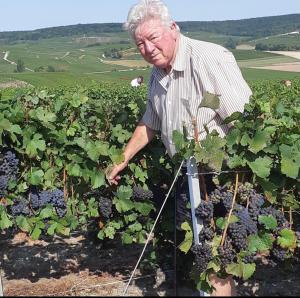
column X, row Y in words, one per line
column 230, row 85
column 151, row 118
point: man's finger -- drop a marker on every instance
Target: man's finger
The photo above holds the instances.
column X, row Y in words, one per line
column 113, row 180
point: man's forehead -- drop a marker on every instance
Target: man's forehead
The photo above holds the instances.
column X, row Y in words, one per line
column 149, row 26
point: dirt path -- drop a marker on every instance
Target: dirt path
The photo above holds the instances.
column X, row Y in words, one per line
column 293, row 54
column 75, row 266
column 83, row 266
column 12, row 62
column 293, row 67
column 14, row 84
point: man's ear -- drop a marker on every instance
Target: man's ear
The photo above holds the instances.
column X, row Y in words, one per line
column 173, row 26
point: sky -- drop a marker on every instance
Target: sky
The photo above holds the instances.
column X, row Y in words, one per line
column 19, row 15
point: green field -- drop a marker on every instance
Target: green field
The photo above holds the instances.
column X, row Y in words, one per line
column 214, row 37
column 266, row 61
column 241, row 55
column 251, row 74
column 69, row 79
column 291, row 40
column 81, row 60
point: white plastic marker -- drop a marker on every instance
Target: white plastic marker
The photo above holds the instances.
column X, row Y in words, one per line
column 195, row 199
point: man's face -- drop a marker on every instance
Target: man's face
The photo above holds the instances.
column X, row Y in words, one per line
column 157, row 43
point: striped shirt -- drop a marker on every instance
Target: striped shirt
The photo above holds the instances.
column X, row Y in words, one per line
column 173, row 99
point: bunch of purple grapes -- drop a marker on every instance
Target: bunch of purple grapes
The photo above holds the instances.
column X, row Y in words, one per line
column 104, row 203
column 39, row 199
column 8, row 170
column 226, row 253
column 203, row 255
column 141, row 194
column 20, row 207
column 105, row 207
column 248, row 208
column 205, row 211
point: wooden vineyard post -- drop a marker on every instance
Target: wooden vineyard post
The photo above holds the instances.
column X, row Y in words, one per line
column 195, row 199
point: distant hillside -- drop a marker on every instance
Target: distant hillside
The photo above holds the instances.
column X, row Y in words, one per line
column 254, row 27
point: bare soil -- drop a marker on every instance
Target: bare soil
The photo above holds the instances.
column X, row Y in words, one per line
column 83, row 266
column 14, row 84
column 293, row 67
column 293, row 54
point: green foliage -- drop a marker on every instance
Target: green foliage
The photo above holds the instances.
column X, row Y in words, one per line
column 287, row 239
column 188, row 238
column 230, row 44
column 66, row 138
column 266, row 138
column 264, row 144
column 20, row 66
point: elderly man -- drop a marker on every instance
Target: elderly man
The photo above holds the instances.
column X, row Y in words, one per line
column 183, row 70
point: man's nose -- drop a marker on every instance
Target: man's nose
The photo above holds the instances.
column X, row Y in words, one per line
column 149, row 47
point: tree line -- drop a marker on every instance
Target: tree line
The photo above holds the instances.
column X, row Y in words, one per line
column 252, row 28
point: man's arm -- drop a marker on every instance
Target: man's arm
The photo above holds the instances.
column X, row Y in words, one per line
column 231, row 85
column 140, row 138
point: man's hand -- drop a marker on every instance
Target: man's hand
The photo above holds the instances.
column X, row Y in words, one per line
column 140, row 138
column 113, row 177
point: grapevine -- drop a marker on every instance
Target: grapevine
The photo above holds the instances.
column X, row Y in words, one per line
column 56, row 145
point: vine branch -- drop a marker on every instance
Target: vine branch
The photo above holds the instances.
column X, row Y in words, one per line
column 231, row 209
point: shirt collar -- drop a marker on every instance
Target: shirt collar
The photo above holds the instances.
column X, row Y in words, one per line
column 181, row 55
column 179, row 63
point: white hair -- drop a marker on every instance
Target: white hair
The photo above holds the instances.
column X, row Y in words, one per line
column 145, row 10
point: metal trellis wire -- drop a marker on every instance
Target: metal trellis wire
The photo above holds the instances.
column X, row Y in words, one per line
column 152, row 229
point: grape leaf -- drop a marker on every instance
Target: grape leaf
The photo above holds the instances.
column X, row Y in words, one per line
column 269, row 221
column 110, row 232
column 186, row 244
column 97, row 179
column 124, row 192
column 259, row 142
column 126, row 238
column 123, row 205
column 261, row 166
column 248, row 270
column 52, row 228
column 36, row 177
column 23, row 223
column 116, row 155
column 34, row 145
column 241, row 270
column 234, row 116
column 211, row 101
column 211, row 152
column 36, row 233
column 290, row 160
column 5, row 222
column 178, row 139
column 135, row 227
column 74, row 170
column 143, row 208
column 287, row 239
column 260, row 243
column 46, row 212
